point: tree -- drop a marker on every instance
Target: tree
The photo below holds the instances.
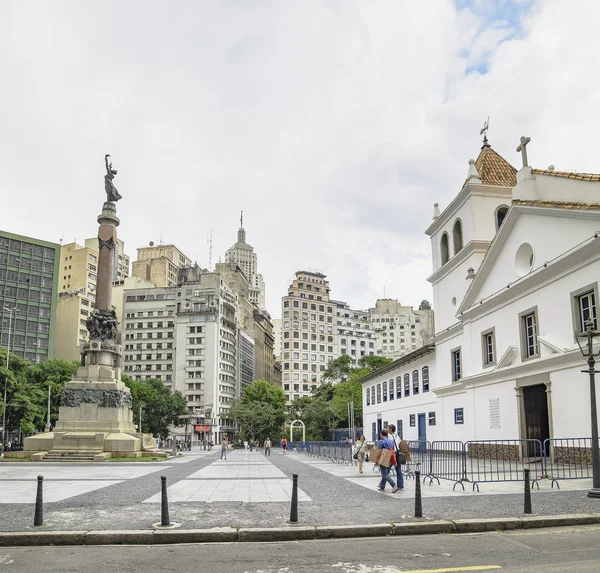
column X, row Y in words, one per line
column 339, row 368
column 260, row 411
column 373, row 362
column 161, row 407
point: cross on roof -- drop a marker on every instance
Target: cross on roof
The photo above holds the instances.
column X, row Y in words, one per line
column 523, row 149
column 486, row 126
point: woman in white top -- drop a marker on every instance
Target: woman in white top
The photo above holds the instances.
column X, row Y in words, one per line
column 361, row 452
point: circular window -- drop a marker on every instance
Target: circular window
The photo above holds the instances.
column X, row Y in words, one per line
column 524, row 259
column 453, row 301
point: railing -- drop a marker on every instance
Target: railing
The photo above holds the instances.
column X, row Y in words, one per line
column 567, row 458
column 479, row 461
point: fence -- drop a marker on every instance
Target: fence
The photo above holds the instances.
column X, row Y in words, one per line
column 480, row 461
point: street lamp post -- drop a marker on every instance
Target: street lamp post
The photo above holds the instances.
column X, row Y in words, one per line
column 588, row 343
column 10, row 315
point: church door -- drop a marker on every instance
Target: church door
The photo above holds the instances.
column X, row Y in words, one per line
column 536, row 417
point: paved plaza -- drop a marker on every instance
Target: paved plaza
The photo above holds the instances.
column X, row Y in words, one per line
column 251, row 490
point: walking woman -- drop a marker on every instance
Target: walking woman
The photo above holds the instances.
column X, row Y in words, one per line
column 361, row 452
column 224, row 446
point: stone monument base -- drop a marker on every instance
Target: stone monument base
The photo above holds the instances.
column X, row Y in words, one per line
column 94, row 417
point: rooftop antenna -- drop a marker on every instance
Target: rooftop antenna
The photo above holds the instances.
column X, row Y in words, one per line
column 62, row 238
column 484, row 129
column 210, row 249
column 160, row 240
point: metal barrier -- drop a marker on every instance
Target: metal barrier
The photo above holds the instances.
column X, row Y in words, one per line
column 567, row 458
column 447, row 461
column 502, row 460
column 337, row 452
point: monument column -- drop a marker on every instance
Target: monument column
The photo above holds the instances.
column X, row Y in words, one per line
column 107, row 239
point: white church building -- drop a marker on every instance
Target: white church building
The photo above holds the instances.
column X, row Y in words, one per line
column 516, row 266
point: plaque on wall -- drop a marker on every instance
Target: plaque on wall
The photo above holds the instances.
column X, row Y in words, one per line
column 494, row 413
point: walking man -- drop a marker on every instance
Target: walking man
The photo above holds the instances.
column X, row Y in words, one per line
column 268, row 447
column 224, row 445
column 283, row 445
column 386, row 444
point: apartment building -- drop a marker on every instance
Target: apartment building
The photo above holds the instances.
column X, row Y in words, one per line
column 399, row 329
column 187, row 336
column 159, row 264
column 308, row 333
column 354, row 333
column 29, row 270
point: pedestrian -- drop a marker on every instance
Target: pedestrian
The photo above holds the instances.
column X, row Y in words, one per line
column 361, row 450
column 283, row 445
column 246, row 445
column 9, row 448
column 397, row 441
column 386, row 444
column 224, row 445
column 256, row 445
column 268, row 447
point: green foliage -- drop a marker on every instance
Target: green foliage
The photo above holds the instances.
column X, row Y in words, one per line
column 27, row 391
column 260, row 411
column 161, row 408
column 327, row 408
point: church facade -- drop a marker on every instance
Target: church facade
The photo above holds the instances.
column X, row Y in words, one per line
column 516, row 265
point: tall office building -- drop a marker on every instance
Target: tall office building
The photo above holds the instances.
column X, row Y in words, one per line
column 400, row 329
column 77, row 293
column 29, row 270
column 243, row 255
column 159, row 264
column 308, row 333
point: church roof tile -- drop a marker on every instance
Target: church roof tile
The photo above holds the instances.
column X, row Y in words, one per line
column 559, row 204
column 568, row 174
column 493, row 169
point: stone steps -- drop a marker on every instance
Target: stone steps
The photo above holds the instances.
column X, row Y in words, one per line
column 65, row 456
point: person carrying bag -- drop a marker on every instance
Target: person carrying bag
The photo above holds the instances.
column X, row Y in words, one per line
column 387, row 458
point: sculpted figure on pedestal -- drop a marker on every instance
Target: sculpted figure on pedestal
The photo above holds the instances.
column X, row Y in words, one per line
column 102, row 324
column 112, row 195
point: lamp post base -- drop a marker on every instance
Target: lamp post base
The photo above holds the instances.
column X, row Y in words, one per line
column 594, row 492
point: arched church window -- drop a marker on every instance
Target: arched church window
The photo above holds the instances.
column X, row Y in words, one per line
column 457, row 237
column 445, row 251
column 500, row 215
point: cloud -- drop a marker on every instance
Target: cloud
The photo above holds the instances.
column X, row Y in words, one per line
column 334, row 125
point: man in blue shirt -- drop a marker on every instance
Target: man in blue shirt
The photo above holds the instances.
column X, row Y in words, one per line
column 386, row 444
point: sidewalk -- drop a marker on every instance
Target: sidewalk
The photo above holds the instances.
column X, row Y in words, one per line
column 249, row 491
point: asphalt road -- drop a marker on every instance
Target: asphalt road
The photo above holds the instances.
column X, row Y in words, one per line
column 572, row 550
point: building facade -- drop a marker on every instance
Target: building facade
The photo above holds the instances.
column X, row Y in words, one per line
column 308, row 333
column 515, row 277
column 400, row 330
column 29, row 271
column 242, row 254
column 122, row 261
column 187, row 336
column 354, row 333
column 77, row 293
column 159, row 264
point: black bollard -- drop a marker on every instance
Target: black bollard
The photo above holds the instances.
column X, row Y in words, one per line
column 418, row 504
column 38, row 518
column 164, row 503
column 527, row 493
column 294, row 509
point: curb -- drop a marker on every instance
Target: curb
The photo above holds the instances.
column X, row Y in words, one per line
column 301, row 533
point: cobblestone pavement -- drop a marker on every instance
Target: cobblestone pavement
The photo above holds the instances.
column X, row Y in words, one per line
column 250, row 490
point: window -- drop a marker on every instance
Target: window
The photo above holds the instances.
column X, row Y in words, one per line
column 488, row 348
column 584, row 303
column 385, row 394
column 431, row 418
column 415, row 380
column 459, row 417
column 399, row 429
column 373, row 395
column 425, row 376
column 406, row 385
column 456, row 365
column 368, row 397
column 398, row 387
column 411, row 421
column 378, row 393
column 529, row 334
column 457, row 237
column 391, row 384
column 500, row 215
column 444, row 249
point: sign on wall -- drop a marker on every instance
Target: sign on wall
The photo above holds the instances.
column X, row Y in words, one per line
column 494, row 413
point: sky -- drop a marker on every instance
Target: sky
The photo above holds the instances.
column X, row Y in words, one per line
column 335, row 125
